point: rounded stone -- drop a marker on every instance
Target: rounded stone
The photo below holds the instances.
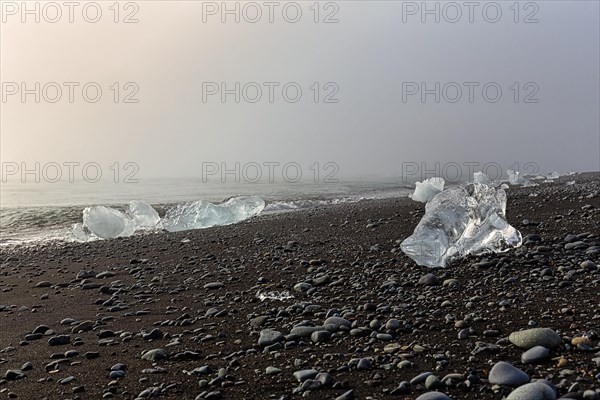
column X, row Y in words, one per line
column 532, row 391
column 503, row 373
column 529, row 338
column 155, row 355
column 320, row 336
column 433, row 396
column 429, row 280
column 268, row 337
column 535, row 355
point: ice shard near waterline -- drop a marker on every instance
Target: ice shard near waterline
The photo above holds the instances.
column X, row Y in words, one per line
column 108, row 223
column 201, row 214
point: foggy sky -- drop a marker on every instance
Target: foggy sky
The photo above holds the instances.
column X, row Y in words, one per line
column 369, row 54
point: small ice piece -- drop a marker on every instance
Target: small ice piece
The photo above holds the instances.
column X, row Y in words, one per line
column 284, row 295
column 569, row 183
column 201, row 214
column 143, row 214
column 514, row 177
column 461, row 221
column 426, row 190
column 480, row 177
column 81, row 234
column 107, row 223
column 504, row 186
column 553, row 175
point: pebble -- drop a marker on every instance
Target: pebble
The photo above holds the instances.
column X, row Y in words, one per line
column 433, row 396
column 420, row 378
column 503, row 373
column 272, row 370
column 403, row 388
column 535, row 355
column 305, row 374
column 14, row 374
column 155, row 355
column 529, row 338
column 268, row 337
column 214, row 285
column 532, row 391
column 116, row 374
column 320, row 336
column 433, row 382
column 59, row 340
column 429, row 280
column 337, row 322
column 349, row 395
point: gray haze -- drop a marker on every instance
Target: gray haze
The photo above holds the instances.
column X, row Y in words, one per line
column 368, row 54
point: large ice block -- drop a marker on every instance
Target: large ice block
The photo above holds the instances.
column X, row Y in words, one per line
column 460, row 221
column 426, row 190
column 201, row 214
column 107, row 223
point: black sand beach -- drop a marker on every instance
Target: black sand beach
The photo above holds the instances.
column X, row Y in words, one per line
column 70, row 313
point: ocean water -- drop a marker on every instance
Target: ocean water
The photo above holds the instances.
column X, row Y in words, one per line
column 33, row 212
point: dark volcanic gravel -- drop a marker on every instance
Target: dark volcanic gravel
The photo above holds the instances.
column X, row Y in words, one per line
column 179, row 316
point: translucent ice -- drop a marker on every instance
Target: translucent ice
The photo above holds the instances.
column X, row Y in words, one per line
column 107, row 223
column 480, row 177
column 426, row 190
column 201, row 214
column 142, row 214
column 461, row 221
column 515, row 178
column 284, row 295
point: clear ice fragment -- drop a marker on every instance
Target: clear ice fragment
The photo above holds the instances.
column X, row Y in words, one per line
column 201, row 214
column 480, row 177
column 107, row 223
column 426, row 190
column 461, row 221
column 143, row 214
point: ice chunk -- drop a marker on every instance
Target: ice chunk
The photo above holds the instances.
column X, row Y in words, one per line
column 553, row 175
column 514, row 177
column 107, row 223
column 201, row 214
column 461, row 221
column 142, row 214
column 480, row 177
column 81, row 234
column 426, row 190
column 284, row 295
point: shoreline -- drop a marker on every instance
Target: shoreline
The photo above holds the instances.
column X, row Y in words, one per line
column 196, row 300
